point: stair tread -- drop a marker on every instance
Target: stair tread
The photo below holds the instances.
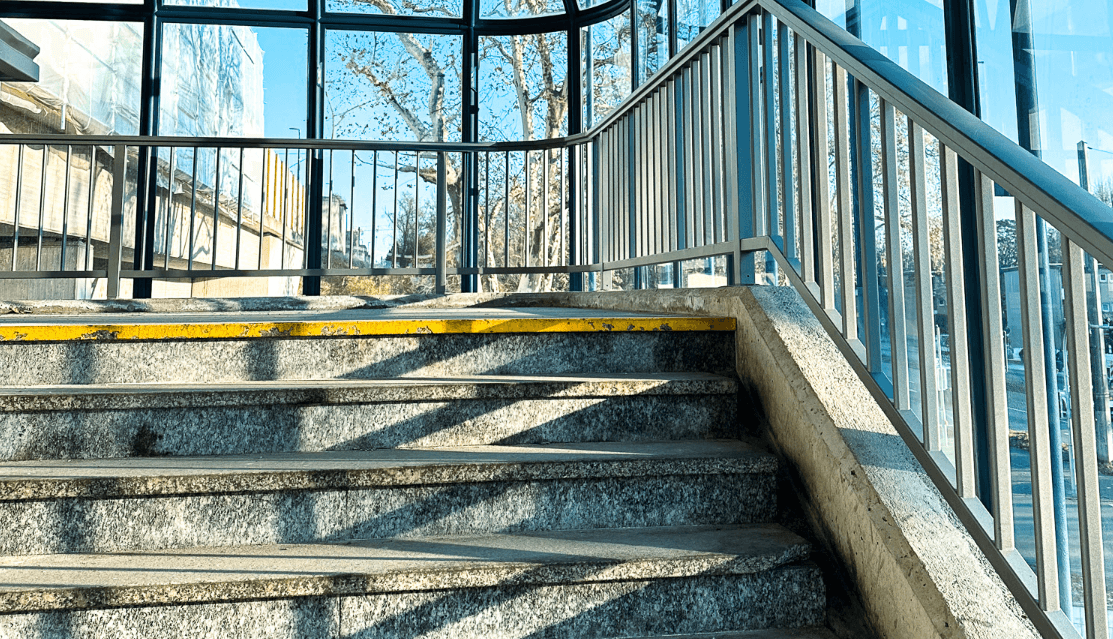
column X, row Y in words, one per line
column 349, row 322
column 51, row 582
column 768, row 633
column 149, row 476
column 347, row 391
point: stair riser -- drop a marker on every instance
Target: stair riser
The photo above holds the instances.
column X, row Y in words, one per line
column 74, row 525
column 232, row 430
column 201, row 361
column 791, row 596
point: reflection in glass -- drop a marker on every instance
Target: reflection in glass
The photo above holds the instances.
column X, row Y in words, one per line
column 519, row 8
column 89, row 79
column 653, row 36
column 220, row 80
column 392, row 86
column 522, row 81
column 606, row 67
column 287, row 5
column 429, row 8
column 693, row 16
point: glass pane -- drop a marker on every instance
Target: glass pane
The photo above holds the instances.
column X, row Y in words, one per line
column 392, row 86
column 519, row 8
column 522, row 81
column 220, row 80
column 653, row 36
column 89, row 79
column 429, row 8
column 995, row 65
column 288, row 5
column 606, row 67
column 693, row 16
column 910, row 33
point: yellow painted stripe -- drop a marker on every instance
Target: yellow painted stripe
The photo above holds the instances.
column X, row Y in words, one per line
column 230, row 330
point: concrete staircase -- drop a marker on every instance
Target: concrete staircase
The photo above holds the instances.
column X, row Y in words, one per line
column 364, row 474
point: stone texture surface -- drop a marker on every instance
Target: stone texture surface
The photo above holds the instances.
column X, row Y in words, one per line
column 919, row 572
column 288, row 427
column 769, row 633
column 429, row 564
column 206, row 361
column 73, row 525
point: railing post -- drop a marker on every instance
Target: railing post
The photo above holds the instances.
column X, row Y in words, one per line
column 116, row 228
column 311, row 284
column 442, row 225
column 865, row 213
column 742, row 196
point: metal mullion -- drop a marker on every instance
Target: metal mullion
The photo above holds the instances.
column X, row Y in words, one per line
column 769, row 132
column 788, row 208
column 925, row 314
column 1039, row 437
column 716, row 85
column 803, row 160
column 894, row 254
column 960, row 356
column 66, row 208
column 843, row 207
column 826, row 275
column 1085, row 439
column 42, row 209
column 707, row 126
column 996, row 369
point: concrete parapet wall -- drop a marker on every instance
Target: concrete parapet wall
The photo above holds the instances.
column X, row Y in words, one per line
column 918, row 572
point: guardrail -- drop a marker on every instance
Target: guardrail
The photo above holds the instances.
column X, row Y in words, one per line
column 774, row 139
column 811, row 160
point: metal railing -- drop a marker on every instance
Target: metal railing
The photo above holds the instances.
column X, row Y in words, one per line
column 120, row 208
column 811, row 160
column 775, row 140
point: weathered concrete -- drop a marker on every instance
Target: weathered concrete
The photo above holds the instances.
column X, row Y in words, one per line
column 90, row 421
column 145, row 504
column 916, row 567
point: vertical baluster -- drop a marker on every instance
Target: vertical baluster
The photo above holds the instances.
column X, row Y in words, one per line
column 263, row 201
column 92, row 206
column 960, row 358
column 415, row 263
column 168, row 232
column 487, row 208
column 925, row 313
column 394, row 225
column 993, row 330
column 19, row 204
column 758, row 207
column 687, row 151
column 1039, row 438
column 769, row 132
column 803, row 162
column 716, row 76
column 699, row 167
column 285, row 205
column 894, row 254
column 374, row 204
column 1085, row 440
column 216, row 211
column 192, row 209
column 328, row 220
column 670, row 167
column 529, row 204
column 239, row 210
column 65, row 208
column 42, row 209
column 506, row 211
column 562, row 186
column 788, row 210
column 844, row 211
column 707, row 126
column 822, row 174
column 544, row 245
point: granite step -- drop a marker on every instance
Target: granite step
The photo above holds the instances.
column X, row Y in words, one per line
column 128, row 504
column 640, row 582
column 354, row 344
column 769, row 633
column 91, row 421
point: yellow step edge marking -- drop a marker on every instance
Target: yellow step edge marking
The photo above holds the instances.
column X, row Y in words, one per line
column 233, row 330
